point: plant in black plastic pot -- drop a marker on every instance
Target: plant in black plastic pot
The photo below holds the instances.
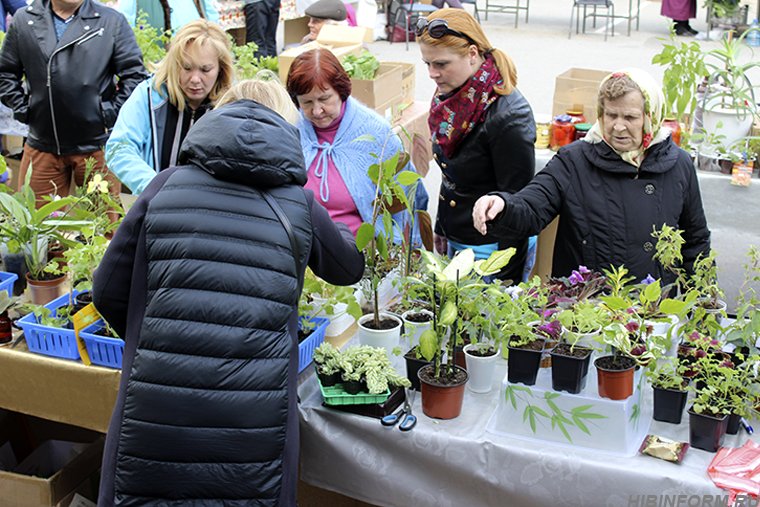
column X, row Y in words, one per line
column 329, row 363
column 666, row 376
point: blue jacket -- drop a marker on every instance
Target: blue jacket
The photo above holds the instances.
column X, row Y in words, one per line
column 352, row 158
column 183, row 11
column 133, row 150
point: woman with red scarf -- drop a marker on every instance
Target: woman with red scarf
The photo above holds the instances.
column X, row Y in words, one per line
column 482, row 127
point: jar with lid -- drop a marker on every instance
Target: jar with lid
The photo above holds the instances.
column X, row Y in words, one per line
column 675, row 129
column 581, row 129
column 562, row 132
column 576, row 116
column 543, row 127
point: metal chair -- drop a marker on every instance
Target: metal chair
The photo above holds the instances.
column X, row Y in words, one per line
column 410, row 11
column 474, row 4
column 499, row 7
column 608, row 16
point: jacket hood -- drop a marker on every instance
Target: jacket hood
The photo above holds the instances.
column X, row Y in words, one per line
column 660, row 158
column 245, row 142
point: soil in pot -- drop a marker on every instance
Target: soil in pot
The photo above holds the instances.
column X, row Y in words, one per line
column 523, row 363
column 442, row 398
column 615, row 376
column 413, row 365
column 487, row 352
column 418, row 317
column 669, row 405
column 706, row 431
column 570, row 368
column 81, row 300
column 385, row 323
column 45, row 289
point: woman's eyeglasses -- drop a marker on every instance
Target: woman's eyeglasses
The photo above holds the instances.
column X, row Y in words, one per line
column 439, row 27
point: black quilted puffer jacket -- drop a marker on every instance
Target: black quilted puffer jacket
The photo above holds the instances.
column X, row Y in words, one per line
column 202, row 282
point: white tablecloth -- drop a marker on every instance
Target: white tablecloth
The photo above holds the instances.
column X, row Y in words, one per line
column 458, row 463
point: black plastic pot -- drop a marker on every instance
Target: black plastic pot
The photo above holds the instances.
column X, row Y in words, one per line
column 413, row 365
column 329, row 380
column 522, row 365
column 15, row 263
column 81, row 300
column 669, row 405
column 569, row 372
column 353, row 386
column 732, row 426
column 706, row 432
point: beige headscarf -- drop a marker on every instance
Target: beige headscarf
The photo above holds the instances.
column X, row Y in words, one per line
column 654, row 111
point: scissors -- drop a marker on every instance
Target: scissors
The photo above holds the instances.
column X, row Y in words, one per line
column 405, row 415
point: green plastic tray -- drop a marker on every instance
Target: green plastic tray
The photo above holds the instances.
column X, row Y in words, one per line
column 336, row 395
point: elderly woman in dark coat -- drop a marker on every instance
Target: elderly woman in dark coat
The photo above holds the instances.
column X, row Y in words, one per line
column 610, row 190
column 202, row 280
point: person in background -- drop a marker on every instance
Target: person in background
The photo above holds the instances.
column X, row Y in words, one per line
column 182, row 11
column 482, row 127
column 323, row 12
column 610, row 189
column 9, row 7
column 202, row 280
column 261, row 18
column 680, row 11
column 150, row 129
column 69, row 55
column 331, row 121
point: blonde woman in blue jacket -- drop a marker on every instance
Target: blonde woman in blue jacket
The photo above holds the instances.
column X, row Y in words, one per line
column 154, row 121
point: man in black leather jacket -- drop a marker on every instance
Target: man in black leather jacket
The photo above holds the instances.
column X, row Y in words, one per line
column 70, row 54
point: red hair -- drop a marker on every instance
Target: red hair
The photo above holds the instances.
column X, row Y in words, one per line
column 317, row 68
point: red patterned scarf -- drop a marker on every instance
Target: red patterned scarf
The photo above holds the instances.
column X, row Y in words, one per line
column 453, row 117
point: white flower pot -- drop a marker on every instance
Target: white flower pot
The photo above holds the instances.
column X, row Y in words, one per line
column 386, row 338
column 339, row 320
column 588, row 340
column 480, row 370
column 662, row 329
column 735, row 125
column 413, row 330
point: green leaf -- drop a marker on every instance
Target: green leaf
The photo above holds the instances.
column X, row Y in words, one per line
column 382, row 247
column 429, row 344
column 406, row 178
column 532, row 420
column 448, row 313
column 510, row 395
column 495, row 262
column 652, row 292
column 364, row 235
column 540, row 412
column 564, row 431
column 581, row 425
column 462, row 263
column 615, row 302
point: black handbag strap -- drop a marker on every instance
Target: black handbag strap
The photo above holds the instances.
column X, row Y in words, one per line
column 283, row 218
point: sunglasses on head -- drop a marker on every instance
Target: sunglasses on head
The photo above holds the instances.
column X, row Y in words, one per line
column 439, row 27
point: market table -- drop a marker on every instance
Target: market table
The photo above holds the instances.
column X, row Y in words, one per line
column 459, row 462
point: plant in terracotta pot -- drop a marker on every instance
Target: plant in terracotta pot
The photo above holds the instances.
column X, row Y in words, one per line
column 669, row 384
column 448, row 282
column 627, row 340
column 27, row 230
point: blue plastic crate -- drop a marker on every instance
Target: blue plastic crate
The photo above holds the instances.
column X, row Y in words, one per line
column 6, row 282
column 306, row 347
column 103, row 350
column 50, row 341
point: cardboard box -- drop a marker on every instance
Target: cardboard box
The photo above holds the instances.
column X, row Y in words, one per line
column 341, row 40
column 383, row 91
column 294, row 30
column 57, row 389
column 578, row 89
column 408, row 82
column 53, row 459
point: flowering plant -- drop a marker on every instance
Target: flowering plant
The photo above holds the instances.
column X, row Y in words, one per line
column 581, row 284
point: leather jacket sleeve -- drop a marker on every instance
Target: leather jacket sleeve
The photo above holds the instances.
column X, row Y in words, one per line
column 12, row 92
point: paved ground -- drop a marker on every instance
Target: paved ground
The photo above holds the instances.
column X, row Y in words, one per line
column 541, row 51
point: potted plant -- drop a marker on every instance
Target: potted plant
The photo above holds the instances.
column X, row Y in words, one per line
column 685, row 69
column 571, row 357
column 329, row 363
column 729, row 105
column 27, row 230
column 448, row 282
column 376, row 236
column 669, row 388
column 583, row 322
column 627, row 340
column 323, row 300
